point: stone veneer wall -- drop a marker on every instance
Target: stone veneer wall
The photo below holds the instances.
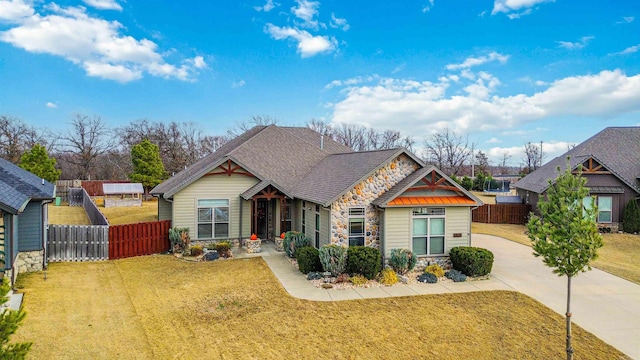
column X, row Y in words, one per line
column 362, row 195
column 28, row 261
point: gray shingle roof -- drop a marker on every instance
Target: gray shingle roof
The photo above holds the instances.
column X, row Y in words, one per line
column 277, row 155
column 18, row 187
column 338, row 173
column 413, row 178
column 617, row 148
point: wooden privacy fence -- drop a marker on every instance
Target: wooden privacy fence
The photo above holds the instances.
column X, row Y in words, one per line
column 502, row 214
column 138, row 239
column 101, row 242
column 77, row 243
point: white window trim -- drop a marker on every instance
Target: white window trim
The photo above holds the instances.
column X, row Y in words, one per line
column 364, row 223
column 428, row 236
column 213, row 231
column 610, row 211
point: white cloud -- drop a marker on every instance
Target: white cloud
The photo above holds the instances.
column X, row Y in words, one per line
column 626, row 20
column 493, row 140
column 104, row 4
column 14, row 10
column 475, row 61
column 306, row 10
column 428, row 7
column 270, row 5
column 339, row 23
column 51, row 105
column 237, row 84
column 629, row 50
column 420, row 107
column 540, row 83
column 308, row 45
column 515, row 8
column 575, row 45
column 96, row 45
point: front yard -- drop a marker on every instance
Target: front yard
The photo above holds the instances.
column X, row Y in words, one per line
column 159, row 307
column 619, row 256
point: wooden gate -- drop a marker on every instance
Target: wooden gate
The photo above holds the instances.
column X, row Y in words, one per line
column 502, row 214
column 138, row 239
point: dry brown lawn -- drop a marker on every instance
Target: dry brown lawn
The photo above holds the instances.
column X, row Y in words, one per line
column 67, row 215
column 134, row 214
column 485, row 198
column 159, row 307
column 619, row 256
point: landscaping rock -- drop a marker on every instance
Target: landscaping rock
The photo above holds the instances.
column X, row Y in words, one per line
column 211, row 255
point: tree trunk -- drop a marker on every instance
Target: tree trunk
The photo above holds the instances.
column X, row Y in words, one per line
column 569, row 348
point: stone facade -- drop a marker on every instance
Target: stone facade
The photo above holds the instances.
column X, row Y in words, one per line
column 362, row 195
column 29, row 261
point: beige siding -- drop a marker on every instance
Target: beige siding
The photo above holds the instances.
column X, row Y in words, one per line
column 214, row 187
column 325, row 226
column 164, row 209
column 458, row 220
column 397, row 228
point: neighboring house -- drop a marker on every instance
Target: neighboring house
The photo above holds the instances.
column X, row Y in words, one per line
column 23, row 219
column 611, row 164
column 273, row 179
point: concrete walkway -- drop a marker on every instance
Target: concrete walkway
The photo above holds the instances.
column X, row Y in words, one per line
column 603, row 304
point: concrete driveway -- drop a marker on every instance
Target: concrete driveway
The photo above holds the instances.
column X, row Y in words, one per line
column 601, row 303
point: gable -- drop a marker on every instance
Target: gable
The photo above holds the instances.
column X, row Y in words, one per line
column 229, row 168
column 427, row 187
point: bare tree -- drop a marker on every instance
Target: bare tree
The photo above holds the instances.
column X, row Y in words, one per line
column 256, row 120
column 16, row 137
column 504, row 167
column 321, row 127
column 532, row 156
column 448, row 151
column 362, row 138
column 482, row 162
column 88, row 138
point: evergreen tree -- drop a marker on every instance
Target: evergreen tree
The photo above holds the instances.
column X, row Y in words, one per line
column 631, row 217
column 38, row 162
column 566, row 235
column 9, row 322
column 147, row 166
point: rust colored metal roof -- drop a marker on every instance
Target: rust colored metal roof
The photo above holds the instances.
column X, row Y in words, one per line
column 431, row 200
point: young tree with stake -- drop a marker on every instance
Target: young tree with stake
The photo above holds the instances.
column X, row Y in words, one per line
column 566, row 234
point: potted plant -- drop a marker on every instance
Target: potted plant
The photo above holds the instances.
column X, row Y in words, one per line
column 279, row 242
column 253, row 244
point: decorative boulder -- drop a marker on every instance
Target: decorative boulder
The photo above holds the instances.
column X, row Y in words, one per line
column 211, row 255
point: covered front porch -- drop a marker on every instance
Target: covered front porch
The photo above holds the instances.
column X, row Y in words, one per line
column 271, row 210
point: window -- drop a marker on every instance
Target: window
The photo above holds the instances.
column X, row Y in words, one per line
column 287, row 216
column 356, row 226
column 428, row 231
column 604, row 209
column 213, row 219
column 317, row 226
column 304, row 217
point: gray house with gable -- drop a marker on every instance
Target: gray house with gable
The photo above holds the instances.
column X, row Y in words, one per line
column 23, row 219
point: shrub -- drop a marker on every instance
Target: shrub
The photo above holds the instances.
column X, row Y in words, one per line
column 402, row 260
column 358, row 280
column 388, row 277
column 631, row 217
column 456, row 276
column 428, row 278
column 196, row 250
column 364, row 260
column 333, row 259
column 294, row 240
column 211, row 246
column 434, row 269
column 224, row 249
column 471, row 261
column 342, row 278
column 179, row 238
column 308, row 259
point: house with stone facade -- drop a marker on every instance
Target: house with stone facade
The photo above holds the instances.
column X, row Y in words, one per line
column 273, row 179
column 23, row 219
column 610, row 162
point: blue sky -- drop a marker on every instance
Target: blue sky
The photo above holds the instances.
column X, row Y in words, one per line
column 505, row 72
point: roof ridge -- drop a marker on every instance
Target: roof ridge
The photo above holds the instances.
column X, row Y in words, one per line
column 308, row 142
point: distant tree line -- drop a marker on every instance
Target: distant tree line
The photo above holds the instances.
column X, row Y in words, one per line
column 91, row 150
